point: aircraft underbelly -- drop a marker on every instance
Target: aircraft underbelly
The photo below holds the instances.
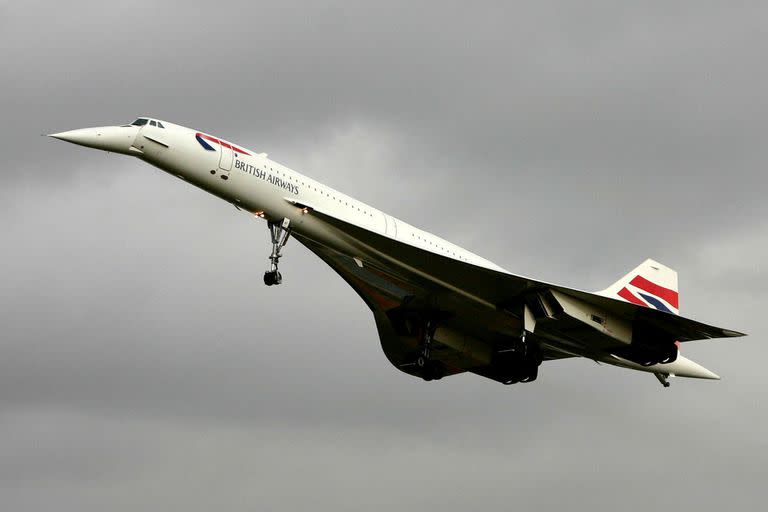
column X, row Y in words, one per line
column 396, row 280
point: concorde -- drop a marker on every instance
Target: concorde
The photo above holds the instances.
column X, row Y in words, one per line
column 440, row 310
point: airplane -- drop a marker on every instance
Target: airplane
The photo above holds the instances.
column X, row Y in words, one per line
column 440, row 310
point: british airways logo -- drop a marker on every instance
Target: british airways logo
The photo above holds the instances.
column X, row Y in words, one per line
column 209, row 144
column 204, row 140
column 268, row 177
column 650, row 295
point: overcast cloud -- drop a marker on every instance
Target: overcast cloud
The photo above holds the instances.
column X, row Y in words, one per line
column 144, row 366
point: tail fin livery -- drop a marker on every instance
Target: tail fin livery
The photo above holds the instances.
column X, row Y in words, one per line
column 651, row 285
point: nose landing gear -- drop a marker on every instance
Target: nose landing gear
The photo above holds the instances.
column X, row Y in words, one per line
column 279, row 232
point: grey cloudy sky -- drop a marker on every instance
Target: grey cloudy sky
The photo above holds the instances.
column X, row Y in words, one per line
column 143, row 365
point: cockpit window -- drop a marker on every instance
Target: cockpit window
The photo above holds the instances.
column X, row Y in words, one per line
column 160, row 125
column 152, row 123
column 139, row 122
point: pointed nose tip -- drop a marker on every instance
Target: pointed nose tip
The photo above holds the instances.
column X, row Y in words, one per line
column 117, row 139
column 84, row 136
column 65, row 136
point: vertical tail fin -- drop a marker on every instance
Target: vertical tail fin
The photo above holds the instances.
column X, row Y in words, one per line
column 651, row 285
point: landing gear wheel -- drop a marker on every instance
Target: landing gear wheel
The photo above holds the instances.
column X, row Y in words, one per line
column 519, row 362
column 432, row 370
column 530, row 373
column 272, row 277
column 438, row 370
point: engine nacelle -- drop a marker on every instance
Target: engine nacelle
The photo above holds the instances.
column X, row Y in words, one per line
column 479, row 352
column 647, row 355
column 602, row 321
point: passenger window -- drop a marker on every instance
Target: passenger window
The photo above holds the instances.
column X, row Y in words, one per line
column 152, row 123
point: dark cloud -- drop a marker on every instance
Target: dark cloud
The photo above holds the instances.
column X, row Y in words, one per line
column 144, row 365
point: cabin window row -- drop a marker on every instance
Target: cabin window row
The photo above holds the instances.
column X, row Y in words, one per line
column 435, row 244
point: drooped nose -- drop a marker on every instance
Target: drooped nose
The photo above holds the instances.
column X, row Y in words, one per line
column 116, row 139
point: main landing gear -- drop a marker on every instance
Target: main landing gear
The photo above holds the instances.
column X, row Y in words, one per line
column 279, row 232
column 520, row 363
column 429, row 369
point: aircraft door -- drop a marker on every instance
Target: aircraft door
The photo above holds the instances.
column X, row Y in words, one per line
column 390, row 226
column 227, row 156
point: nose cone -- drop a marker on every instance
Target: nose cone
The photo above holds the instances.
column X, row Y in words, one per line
column 116, row 139
column 84, row 136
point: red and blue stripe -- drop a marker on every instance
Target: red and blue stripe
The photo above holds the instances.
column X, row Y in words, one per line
column 203, row 139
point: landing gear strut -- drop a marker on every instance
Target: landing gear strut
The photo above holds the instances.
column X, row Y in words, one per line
column 279, row 232
column 429, row 369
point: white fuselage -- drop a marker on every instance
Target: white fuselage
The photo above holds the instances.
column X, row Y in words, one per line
column 257, row 184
